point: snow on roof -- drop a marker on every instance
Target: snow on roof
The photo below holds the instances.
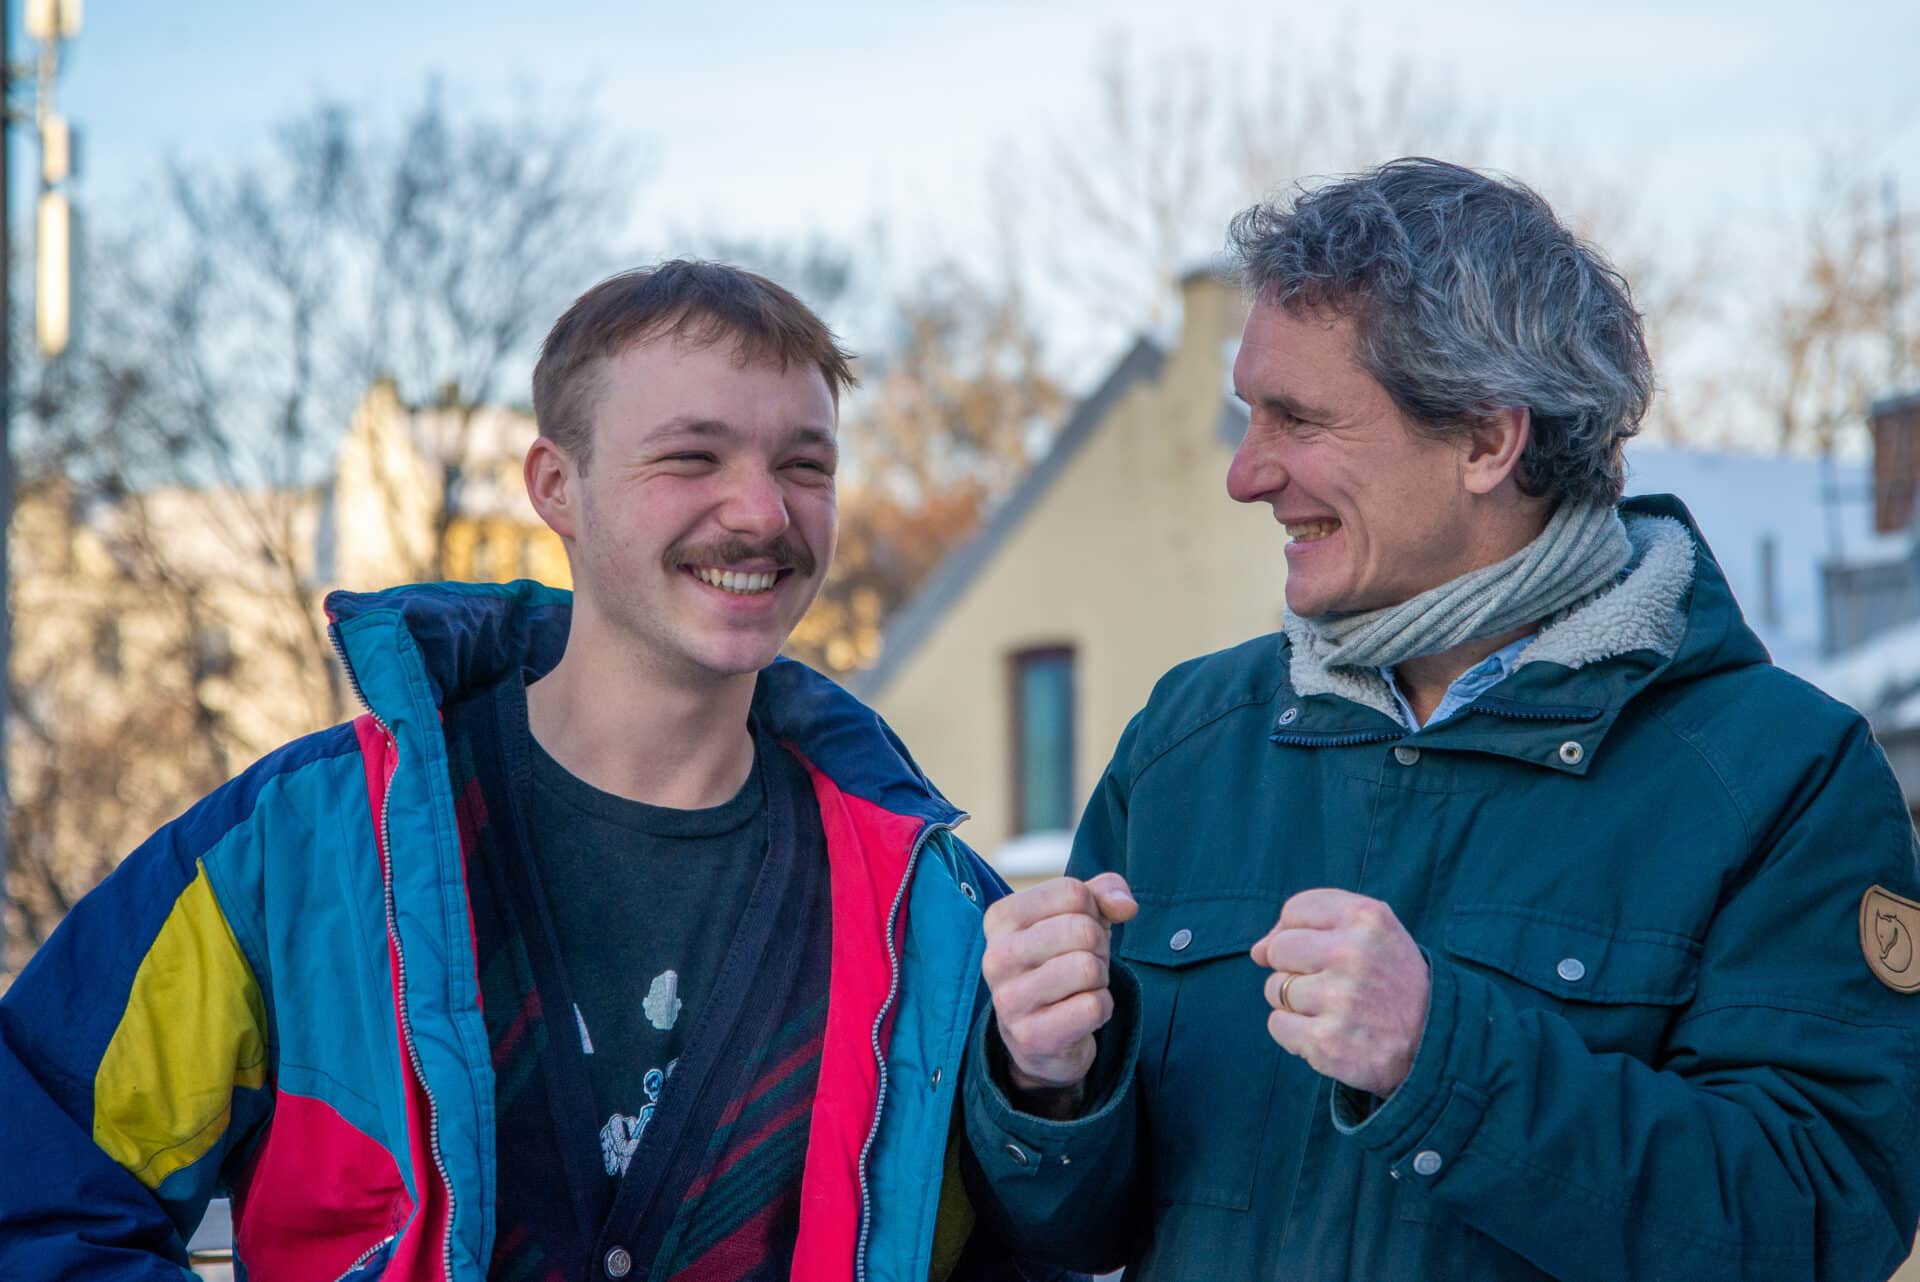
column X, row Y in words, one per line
column 1743, row 501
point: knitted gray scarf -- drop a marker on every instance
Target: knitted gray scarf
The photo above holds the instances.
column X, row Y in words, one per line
column 1582, row 550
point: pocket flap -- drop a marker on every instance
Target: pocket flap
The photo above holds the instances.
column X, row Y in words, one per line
column 1573, row 959
column 1195, row 929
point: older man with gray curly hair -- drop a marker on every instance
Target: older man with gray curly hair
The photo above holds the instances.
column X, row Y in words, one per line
column 1580, row 934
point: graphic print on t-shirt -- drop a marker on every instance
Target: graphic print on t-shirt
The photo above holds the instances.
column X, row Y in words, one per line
column 621, row 1135
column 663, row 1001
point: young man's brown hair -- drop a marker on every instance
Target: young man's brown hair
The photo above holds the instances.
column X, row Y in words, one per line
column 695, row 302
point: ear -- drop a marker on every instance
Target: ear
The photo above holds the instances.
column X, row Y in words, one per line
column 553, row 484
column 1494, row 443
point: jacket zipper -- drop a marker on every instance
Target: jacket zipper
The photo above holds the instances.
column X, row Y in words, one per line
column 1513, row 714
column 366, row 1255
column 1335, row 741
column 879, row 1055
column 400, row 958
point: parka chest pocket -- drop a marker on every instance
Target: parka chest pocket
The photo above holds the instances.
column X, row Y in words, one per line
column 1207, row 1066
column 1621, row 986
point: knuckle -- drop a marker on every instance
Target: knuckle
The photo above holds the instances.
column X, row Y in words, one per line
column 994, row 970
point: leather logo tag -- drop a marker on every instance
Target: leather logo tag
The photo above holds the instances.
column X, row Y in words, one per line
column 1889, row 925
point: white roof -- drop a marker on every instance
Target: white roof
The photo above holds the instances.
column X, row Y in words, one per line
column 1741, row 501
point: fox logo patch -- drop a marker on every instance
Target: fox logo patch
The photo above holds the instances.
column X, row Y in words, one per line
column 1887, row 926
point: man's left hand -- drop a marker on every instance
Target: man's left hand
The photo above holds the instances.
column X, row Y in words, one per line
column 1358, row 992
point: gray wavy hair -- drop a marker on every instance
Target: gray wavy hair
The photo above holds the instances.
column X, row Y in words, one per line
column 1467, row 294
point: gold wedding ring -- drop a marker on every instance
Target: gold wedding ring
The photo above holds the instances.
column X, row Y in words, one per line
column 1285, row 984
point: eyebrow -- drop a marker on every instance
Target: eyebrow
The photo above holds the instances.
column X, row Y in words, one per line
column 1286, row 405
column 693, row 425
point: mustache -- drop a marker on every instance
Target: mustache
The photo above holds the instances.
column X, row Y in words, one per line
column 782, row 551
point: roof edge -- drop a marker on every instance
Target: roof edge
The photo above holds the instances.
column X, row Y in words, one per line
column 1894, row 403
column 918, row 618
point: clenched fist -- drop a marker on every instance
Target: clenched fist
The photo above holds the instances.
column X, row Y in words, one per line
column 1349, row 989
column 1046, row 965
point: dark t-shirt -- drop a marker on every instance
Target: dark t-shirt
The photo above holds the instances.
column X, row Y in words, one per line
column 645, row 901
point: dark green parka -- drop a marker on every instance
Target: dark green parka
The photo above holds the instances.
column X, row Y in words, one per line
column 1654, row 1046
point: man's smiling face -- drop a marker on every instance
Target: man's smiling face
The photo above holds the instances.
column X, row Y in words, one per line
column 707, row 516
column 1376, row 512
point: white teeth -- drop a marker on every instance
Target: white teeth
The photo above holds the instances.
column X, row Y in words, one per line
column 737, row 582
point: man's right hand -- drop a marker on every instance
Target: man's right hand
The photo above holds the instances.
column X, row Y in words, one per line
column 1046, row 965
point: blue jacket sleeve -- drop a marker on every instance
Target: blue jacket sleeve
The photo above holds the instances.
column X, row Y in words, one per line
column 133, row 1063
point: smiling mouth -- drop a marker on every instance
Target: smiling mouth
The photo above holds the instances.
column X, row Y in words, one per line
column 1310, row 531
column 738, row 582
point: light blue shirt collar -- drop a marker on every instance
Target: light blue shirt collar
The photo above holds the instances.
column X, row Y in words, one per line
column 1466, row 687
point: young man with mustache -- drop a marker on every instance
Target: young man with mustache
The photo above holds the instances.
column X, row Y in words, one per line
column 1507, row 916
column 605, row 943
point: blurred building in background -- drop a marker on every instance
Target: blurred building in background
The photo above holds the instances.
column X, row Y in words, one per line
column 1871, row 638
column 135, row 686
column 434, row 490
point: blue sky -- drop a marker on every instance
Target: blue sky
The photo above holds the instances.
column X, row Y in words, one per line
column 775, row 118
column 771, row 114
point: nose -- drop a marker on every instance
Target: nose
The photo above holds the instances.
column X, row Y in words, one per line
column 754, row 505
column 1257, row 472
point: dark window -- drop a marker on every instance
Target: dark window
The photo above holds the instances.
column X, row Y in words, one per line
column 212, row 653
column 1043, row 740
column 106, row 647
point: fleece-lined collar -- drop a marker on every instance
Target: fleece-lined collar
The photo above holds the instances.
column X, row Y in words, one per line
column 1671, row 620
column 1644, row 611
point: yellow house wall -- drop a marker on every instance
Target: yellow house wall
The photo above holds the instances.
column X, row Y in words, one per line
column 1135, row 557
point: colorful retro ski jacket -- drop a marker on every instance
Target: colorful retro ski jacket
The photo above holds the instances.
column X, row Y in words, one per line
column 275, row 996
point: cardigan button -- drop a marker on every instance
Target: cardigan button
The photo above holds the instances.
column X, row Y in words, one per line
column 618, row 1262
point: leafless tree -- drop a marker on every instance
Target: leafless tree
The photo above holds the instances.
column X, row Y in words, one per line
column 1111, row 207
column 1835, row 330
